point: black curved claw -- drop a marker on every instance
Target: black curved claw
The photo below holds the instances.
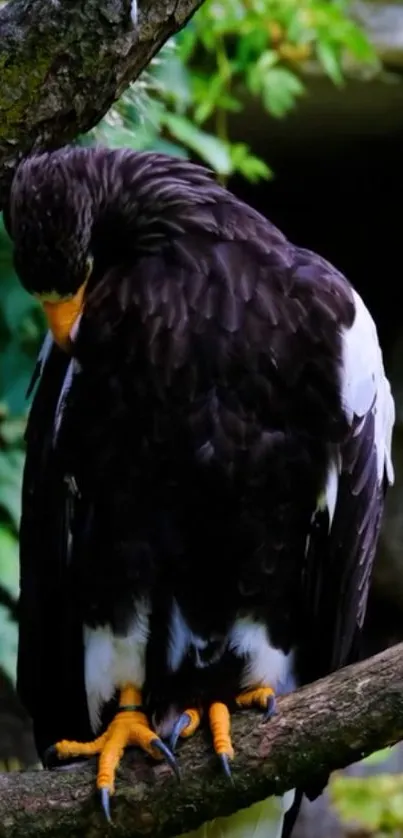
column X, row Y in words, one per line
column 179, row 725
column 105, row 800
column 160, row 746
column 224, row 760
column 271, row 709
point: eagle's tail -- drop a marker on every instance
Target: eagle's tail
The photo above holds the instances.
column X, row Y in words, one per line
column 262, row 820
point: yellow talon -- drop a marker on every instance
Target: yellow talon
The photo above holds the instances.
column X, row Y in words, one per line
column 129, row 727
column 185, row 726
column 220, row 726
column 260, row 697
column 193, row 724
column 220, row 720
column 66, row 748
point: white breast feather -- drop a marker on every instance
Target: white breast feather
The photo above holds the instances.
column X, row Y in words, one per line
column 44, row 351
column 182, row 639
column 111, row 662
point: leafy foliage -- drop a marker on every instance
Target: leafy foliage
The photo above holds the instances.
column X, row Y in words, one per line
column 229, row 51
column 372, row 805
column 21, row 331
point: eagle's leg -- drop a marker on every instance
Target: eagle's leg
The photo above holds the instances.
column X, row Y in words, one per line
column 220, row 725
column 129, row 727
column 220, row 721
column 186, row 725
column 262, row 697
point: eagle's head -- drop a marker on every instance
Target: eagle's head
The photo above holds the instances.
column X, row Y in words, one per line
column 75, row 213
column 50, row 219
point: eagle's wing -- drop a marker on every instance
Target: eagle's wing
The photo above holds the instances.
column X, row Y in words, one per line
column 345, row 527
column 50, row 654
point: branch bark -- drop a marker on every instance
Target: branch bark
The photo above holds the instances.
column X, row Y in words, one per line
column 64, row 62
column 320, row 728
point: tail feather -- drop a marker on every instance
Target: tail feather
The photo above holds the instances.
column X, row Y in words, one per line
column 262, row 820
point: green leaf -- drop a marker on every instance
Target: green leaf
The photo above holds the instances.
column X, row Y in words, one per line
column 213, row 151
column 8, row 643
column 377, row 757
column 11, row 466
column 227, row 47
column 374, row 802
column 328, row 56
column 256, row 74
column 173, row 78
column 9, row 579
column 9, row 561
column 208, row 92
column 251, row 167
column 281, row 88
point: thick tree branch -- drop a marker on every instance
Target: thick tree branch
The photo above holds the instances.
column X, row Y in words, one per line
column 63, row 63
column 324, row 726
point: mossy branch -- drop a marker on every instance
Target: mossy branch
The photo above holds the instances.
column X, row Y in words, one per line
column 322, row 727
column 64, row 62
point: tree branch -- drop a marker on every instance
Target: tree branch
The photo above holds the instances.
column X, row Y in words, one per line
column 323, row 727
column 64, row 62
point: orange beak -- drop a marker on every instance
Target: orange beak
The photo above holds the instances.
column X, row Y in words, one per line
column 61, row 316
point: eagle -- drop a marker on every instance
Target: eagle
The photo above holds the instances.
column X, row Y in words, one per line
column 208, row 451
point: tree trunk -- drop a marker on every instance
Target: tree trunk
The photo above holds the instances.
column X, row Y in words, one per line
column 322, row 727
column 64, row 62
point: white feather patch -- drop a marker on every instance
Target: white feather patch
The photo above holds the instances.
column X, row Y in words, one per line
column 111, row 661
column 134, row 12
column 182, row 639
column 44, row 351
column 328, row 497
column 364, row 384
column 264, row 664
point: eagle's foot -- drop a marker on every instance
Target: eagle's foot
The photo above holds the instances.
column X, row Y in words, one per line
column 220, row 722
column 262, row 697
column 129, row 727
column 186, row 725
column 220, row 726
